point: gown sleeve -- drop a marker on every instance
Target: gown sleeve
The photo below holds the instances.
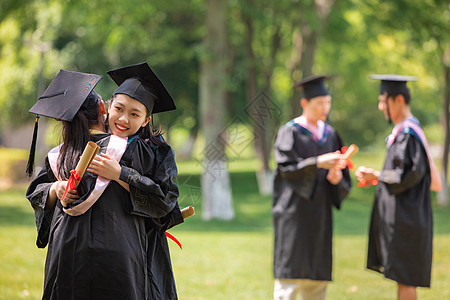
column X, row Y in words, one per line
column 295, row 166
column 170, row 220
column 342, row 189
column 290, row 165
column 151, row 178
column 37, row 194
column 409, row 164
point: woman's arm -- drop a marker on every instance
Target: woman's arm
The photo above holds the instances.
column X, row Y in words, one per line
column 57, row 190
column 107, row 167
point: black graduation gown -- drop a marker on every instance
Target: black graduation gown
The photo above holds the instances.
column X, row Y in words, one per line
column 401, row 228
column 118, row 248
column 302, row 204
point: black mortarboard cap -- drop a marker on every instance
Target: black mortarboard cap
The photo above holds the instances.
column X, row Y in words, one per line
column 393, row 84
column 313, row 86
column 141, row 83
column 65, row 95
column 62, row 100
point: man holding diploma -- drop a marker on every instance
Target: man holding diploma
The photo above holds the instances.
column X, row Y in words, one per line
column 310, row 179
column 401, row 228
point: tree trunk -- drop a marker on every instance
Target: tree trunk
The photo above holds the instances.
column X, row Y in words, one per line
column 216, row 188
column 261, row 110
column 187, row 149
column 305, row 44
column 442, row 198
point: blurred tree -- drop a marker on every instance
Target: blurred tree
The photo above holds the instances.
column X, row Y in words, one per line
column 309, row 22
column 165, row 34
column 426, row 25
column 216, row 187
column 262, row 38
column 346, row 51
column 94, row 36
column 271, row 44
column 26, row 56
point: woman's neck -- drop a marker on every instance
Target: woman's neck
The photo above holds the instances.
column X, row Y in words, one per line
column 98, row 127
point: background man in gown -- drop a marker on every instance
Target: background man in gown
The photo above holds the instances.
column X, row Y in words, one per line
column 310, row 179
column 401, row 228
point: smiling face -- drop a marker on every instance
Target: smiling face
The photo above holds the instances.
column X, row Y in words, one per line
column 316, row 108
column 126, row 115
column 395, row 108
column 383, row 105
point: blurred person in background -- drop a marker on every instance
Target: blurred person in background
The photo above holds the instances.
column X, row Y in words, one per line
column 401, row 227
column 311, row 178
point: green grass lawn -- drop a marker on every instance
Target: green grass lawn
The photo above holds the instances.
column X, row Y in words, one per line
column 228, row 260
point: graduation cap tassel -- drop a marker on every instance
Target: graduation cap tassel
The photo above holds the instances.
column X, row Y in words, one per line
column 30, row 164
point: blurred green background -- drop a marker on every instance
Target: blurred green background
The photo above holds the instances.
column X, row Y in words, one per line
column 347, row 39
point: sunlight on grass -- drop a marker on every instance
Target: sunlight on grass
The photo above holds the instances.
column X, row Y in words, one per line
column 11, row 159
column 220, row 265
column 234, row 165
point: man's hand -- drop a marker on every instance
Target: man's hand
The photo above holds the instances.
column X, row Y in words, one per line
column 334, row 176
column 331, row 160
column 366, row 174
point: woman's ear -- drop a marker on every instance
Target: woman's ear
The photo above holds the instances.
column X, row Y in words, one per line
column 102, row 107
column 146, row 121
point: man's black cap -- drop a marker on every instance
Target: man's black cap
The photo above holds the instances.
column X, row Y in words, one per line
column 393, row 84
column 313, row 86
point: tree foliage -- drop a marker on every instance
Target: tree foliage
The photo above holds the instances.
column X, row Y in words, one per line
column 359, row 37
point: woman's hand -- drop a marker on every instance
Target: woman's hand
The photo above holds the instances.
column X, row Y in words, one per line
column 58, row 188
column 105, row 166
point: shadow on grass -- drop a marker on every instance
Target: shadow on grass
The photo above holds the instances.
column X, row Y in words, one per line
column 16, row 216
column 15, row 209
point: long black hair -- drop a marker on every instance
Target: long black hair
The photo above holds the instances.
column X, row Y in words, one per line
column 146, row 132
column 75, row 134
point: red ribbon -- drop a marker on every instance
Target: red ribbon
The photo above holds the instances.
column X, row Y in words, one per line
column 350, row 164
column 173, row 239
column 364, row 182
column 71, row 184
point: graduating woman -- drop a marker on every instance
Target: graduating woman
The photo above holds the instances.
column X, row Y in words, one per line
column 112, row 245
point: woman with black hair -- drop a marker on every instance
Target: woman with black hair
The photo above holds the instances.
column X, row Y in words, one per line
column 107, row 242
